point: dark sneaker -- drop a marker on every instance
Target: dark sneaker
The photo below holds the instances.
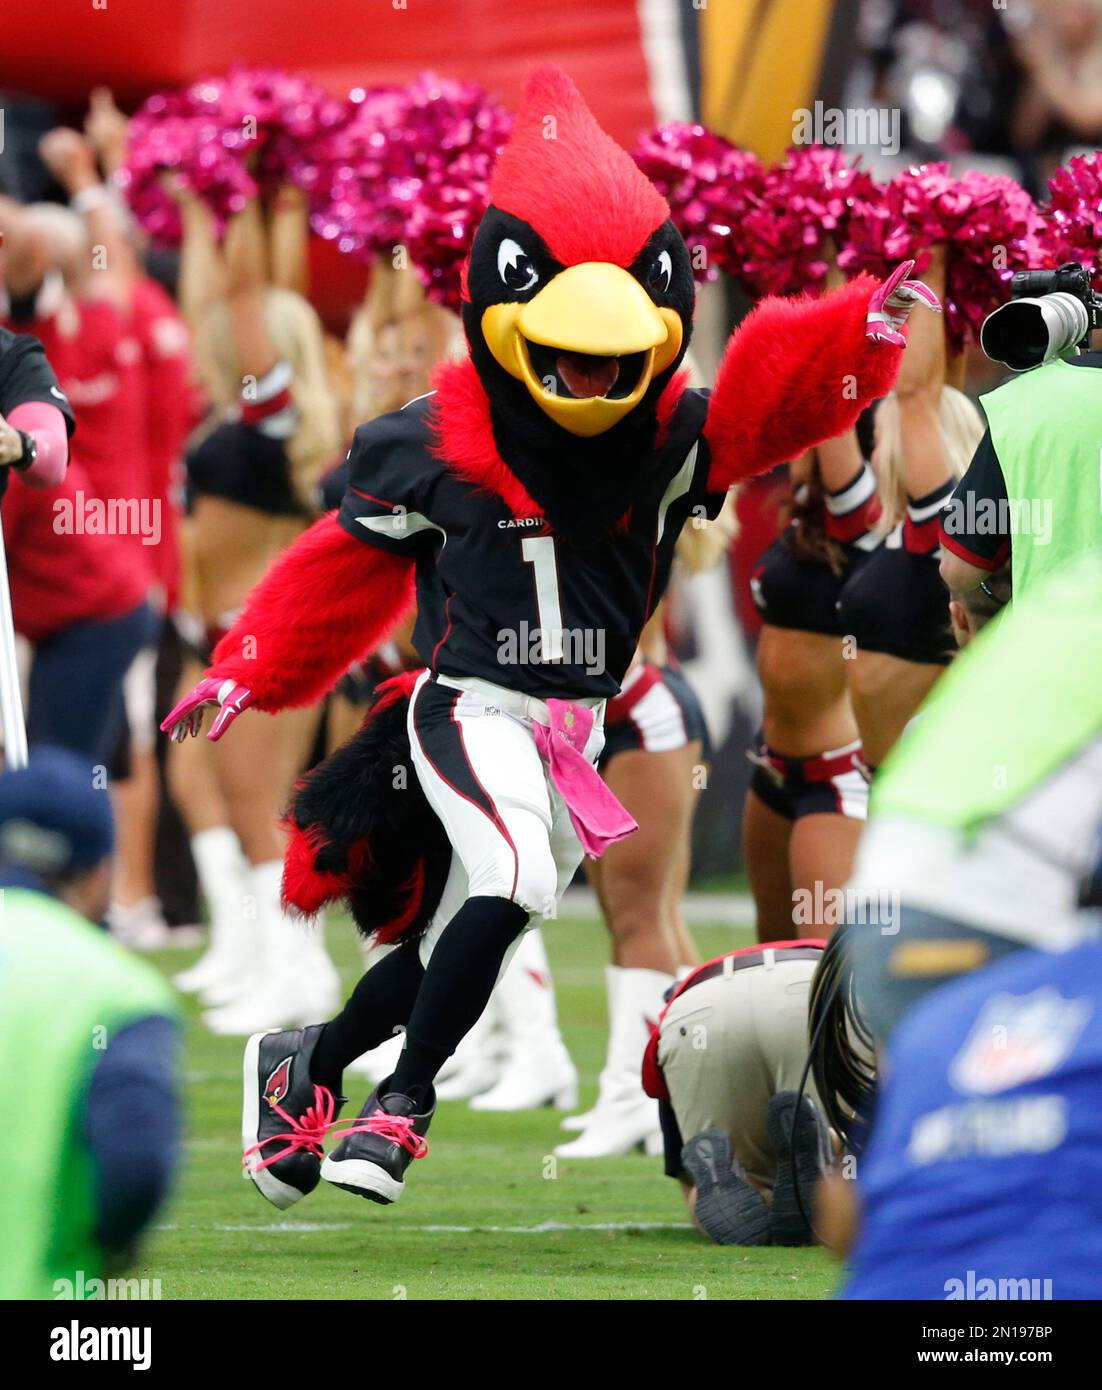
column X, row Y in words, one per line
column 374, row 1153
column 728, row 1208
column 802, row 1159
column 285, row 1115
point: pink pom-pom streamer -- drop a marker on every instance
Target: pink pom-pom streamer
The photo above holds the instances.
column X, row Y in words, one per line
column 226, row 137
column 1073, row 224
column 710, row 186
column 805, row 200
column 411, row 167
column 988, row 222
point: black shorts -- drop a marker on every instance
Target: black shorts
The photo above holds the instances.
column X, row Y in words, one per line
column 896, row 604
column 834, row 784
column 239, row 463
column 656, row 711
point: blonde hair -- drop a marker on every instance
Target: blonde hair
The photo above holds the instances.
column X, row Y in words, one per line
column 296, row 334
column 962, row 429
column 445, row 342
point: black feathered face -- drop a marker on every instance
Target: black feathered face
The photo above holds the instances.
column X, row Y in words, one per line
column 586, row 343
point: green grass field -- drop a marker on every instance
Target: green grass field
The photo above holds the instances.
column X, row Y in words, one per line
column 488, row 1215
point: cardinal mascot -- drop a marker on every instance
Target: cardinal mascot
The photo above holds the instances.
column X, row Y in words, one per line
column 530, row 504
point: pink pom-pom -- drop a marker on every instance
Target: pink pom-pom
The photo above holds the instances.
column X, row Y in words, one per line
column 357, row 163
column 806, row 200
column 411, row 167
column 710, row 186
column 1073, row 225
column 440, row 230
column 988, row 222
column 226, row 137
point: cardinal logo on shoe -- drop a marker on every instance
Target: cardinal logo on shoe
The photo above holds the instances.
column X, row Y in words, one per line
column 279, row 1083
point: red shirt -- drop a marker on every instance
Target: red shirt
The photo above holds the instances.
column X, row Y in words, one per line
column 167, row 404
column 62, row 569
column 98, row 360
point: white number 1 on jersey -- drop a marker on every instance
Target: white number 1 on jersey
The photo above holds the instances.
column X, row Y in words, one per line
column 539, row 552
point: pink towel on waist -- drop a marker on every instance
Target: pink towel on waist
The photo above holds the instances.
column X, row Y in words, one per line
column 597, row 815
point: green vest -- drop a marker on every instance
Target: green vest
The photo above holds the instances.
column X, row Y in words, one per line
column 1018, row 703
column 1046, row 426
column 65, row 989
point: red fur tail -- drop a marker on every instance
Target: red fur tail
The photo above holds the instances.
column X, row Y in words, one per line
column 798, row 371
column 306, row 887
column 329, row 600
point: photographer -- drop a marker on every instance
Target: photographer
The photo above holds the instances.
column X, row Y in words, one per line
column 1031, row 493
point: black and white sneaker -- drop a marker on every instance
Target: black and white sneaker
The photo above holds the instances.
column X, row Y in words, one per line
column 373, row 1155
column 802, row 1159
column 728, row 1208
column 285, row 1115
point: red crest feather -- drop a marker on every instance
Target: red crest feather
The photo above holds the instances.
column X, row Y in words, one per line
column 572, row 183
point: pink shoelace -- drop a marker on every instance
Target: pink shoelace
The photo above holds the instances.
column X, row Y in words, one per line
column 397, row 1128
column 306, row 1133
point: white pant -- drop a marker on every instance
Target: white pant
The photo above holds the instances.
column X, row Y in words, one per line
column 509, row 828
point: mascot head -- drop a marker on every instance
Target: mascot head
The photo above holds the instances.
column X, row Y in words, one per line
column 579, row 290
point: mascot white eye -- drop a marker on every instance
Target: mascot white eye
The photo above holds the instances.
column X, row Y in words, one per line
column 515, row 267
column 661, row 272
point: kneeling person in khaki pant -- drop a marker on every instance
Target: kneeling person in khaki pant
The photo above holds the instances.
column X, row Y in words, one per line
column 726, row 1062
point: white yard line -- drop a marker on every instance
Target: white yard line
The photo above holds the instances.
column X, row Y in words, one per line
column 543, row 1228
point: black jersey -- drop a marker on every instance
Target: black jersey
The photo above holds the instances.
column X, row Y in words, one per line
column 237, row 462
column 804, row 594
column 26, row 375
column 503, row 598
column 897, row 604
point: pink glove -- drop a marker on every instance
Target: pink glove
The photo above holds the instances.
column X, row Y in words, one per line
column 891, row 305
column 187, row 717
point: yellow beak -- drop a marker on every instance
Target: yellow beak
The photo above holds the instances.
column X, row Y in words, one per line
column 596, row 310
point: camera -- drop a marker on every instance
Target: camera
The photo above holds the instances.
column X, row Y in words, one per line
column 1051, row 313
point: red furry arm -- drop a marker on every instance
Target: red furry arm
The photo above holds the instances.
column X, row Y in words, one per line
column 798, row 371
column 328, row 601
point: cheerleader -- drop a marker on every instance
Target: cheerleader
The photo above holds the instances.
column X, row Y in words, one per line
column 808, row 795
column 251, row 482
column 895, row 608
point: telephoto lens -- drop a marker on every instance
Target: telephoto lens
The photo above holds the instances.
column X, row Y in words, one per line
column 1027, row 332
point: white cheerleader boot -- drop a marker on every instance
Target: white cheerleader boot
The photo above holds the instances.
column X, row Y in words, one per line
column 221, row 869
column 298, row 985
column 576, row 1123
column 538, row 1070
column 379, row 1062
column 625, row 1116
